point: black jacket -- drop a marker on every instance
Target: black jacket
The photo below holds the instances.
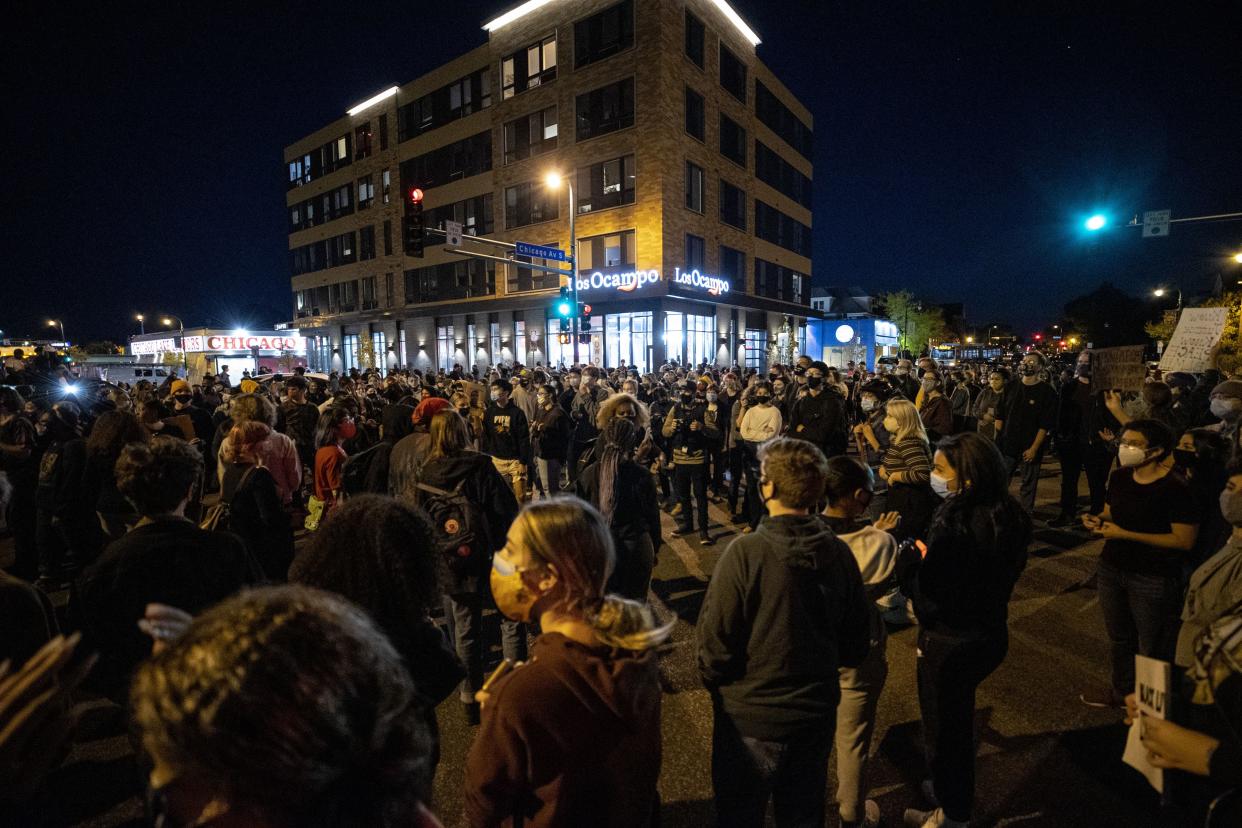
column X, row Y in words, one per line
column 637, row 509
column 551, row 434
column 785, row 609
column 257, row 516
column 820, row 419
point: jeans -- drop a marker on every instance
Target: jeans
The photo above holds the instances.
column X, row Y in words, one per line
column 950, row 668
column 550, row 474
column 747, row 771
column 1030, row 477
column 1142, row 615
column 464, row 614
column 860, row 693
column 687, row 475
column 1076, row 458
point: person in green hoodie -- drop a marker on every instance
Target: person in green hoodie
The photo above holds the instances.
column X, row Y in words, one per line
column 785, row 610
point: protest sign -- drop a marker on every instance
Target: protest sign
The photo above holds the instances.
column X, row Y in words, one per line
column 1152, row 681
column 1117, row 369
column 1194, row 342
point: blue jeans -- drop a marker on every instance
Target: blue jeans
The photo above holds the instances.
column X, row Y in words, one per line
column 1030, row 477
column 464, row 615
column 1141, row 616
column 747, row 771
column 550, row 474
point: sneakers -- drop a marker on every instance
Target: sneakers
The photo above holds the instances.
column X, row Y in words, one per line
column 871, row 816
column 681, row 530
column 705, row 539
column 676, row 510
column 1101, row 697
column 747, row 530
column 930, row 819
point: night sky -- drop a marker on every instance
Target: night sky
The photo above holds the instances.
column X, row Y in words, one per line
column 958, row 146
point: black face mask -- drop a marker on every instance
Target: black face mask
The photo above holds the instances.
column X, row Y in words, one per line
column 813, row 382
column 1028, row 370
column 464, row 412
column 183, row 399
column 1185, row 458
column 687, row 399
column 763, row 399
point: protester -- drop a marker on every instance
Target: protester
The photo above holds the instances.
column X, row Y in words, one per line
column 66, row 531
column 336, row 427
column 409, row 452
column 625, row 494
column 551, row 432
column 506, row 438
column 301, row 417
column 976, row 549
column 1085, row 432
column 1028, row 417
column 112, row 432
column 935, row 410
column 278, row 452
column 784, row 610
column 255, row 513
column 20, row 454
column 906, row 468
column 1149, row 524
column 689, row 434
column 573, row 736
column 820, row 417
column 283, row 706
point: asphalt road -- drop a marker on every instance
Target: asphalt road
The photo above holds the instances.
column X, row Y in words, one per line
column 1044, row 758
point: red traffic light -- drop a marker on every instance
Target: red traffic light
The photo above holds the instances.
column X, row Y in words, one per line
column 416, row 195
column 586, row 310
column 1039, row 336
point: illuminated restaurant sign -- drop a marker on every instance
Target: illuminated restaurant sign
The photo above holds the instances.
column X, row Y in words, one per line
column 153, row 346
column 693, row 278
column 635, row 279
column 244, row 342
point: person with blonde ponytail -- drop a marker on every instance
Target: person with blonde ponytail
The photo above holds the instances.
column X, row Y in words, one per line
column 573, row 736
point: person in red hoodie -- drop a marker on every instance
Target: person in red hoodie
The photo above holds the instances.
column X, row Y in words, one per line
column 572, row 737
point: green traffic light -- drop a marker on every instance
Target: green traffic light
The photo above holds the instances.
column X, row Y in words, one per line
column 563, row 309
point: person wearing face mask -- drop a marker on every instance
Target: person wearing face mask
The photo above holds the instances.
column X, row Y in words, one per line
column 336, row 427
column 506, row 437
column 988, row 402
column 690, row 435
column 1149, row 523
column 850, row 488
column 871, row 435
column 20, row 454
column 1029, row 415
column 1225, row 404
column 760, row 422
column 906, row 468
column 1085, row 430
column 908, row 384
column 784, row 610
column 183, row 405
column 574, row 733
column 976, row 550
column 1201, row 458
column 935, row 410
column 820, row 417
column 582, row 411
column 551, row 434
column 717, row 413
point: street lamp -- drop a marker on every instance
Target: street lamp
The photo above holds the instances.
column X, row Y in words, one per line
column 142, row 328
column 553, row 181
column 53, row 323
column 185, row 361
column 1237, row 257
column 1161, row 292
column 1096, row 223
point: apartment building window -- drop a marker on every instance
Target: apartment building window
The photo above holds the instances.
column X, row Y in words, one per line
column 612, row 250
column 528, row 68
column 461, row 159
column 694, row 187
column 346, row 296
column 733, row 268
column 696, row 37
column 732, row 140
column 782, row 176
column 605, row 110
column 366, row 192
column 366, row 243
column 530, row 135
column 774, row 226
column 370, row 301
column 387, row 237
column 386, row 185
column 389, row 297
column 520, row 279
column 383, row 131
column 696, row 115
column 604, row 34
column 732, row 205
column 464, row 279
column 694, row 252
column 732, row 73
column 530, row 203
column 464, row 96
column 781, row 120
column 473, row 214
column 362, row 141
column 779, row 282
column 320, row 161
column 322, row 255
column 607, row 184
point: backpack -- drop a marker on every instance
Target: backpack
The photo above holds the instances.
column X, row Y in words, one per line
column 356, row 471
column 459, row 527
column 217, row 517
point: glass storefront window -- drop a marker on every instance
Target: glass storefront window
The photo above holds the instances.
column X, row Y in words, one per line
column 379, row 342
column 756, row 349
column 404, row 359
column 519, row 341
column 689, row 339
column 349, row 351
column 674, row 336
column 445, row 345
column 627, row 338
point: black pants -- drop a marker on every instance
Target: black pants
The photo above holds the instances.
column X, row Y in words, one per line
column 685, row 476
column 20, row 517
column 754, row 510
column 1095, row 461
column 737, row 462
column 746, row 772
column 576, row 450
column 950, row 668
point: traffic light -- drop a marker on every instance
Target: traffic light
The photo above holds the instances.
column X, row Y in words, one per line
column 584, row 323
column 412, row 223
column 562, row 338
column 1096, row 222
column 565, row 305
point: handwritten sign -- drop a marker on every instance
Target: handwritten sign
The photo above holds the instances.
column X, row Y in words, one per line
column 1152, row 682
column 1194, row 342
column 1117, row 369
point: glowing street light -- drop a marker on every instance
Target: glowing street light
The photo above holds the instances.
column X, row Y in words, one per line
column 1237, row 257
column 185, row 360
column 552, row 181
column 142, row 327
column 1096, row 222
column 57, row 323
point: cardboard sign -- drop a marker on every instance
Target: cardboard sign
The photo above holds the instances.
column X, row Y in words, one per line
column 1153, row 681
column 1194, row 342
column 1118, row 369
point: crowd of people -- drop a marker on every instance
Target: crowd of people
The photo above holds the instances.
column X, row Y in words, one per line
column 860, row 499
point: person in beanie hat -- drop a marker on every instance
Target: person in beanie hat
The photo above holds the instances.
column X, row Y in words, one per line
column 409, row 452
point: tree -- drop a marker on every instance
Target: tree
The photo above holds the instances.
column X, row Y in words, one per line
column 1108, row 316
column 103, row 347
column 916, row 321
column 366, row 354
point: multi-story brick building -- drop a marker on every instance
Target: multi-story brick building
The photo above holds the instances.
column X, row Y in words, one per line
column 687, row 155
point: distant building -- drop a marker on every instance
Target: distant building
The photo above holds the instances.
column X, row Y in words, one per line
column 691, row 165
column 849, row 331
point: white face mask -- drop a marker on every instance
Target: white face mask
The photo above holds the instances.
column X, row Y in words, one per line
column 940, row 485
column 1131, row 456
column 1225, row 408
column 867, row 405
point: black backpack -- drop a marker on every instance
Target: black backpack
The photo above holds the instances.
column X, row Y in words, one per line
column 459, row 527
column 219, row 515
column 357, row 470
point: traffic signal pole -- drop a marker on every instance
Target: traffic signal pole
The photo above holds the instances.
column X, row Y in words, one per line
column 573, row 261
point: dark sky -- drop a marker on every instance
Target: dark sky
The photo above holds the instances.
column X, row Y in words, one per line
column 958, row 145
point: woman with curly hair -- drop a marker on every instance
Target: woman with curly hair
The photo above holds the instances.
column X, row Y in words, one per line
column 283, row 706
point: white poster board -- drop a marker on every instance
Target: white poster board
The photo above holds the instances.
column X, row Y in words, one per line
column 1153, row 680
column 1194, row 342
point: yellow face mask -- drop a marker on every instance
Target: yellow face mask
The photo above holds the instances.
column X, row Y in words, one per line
column 513, row 597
